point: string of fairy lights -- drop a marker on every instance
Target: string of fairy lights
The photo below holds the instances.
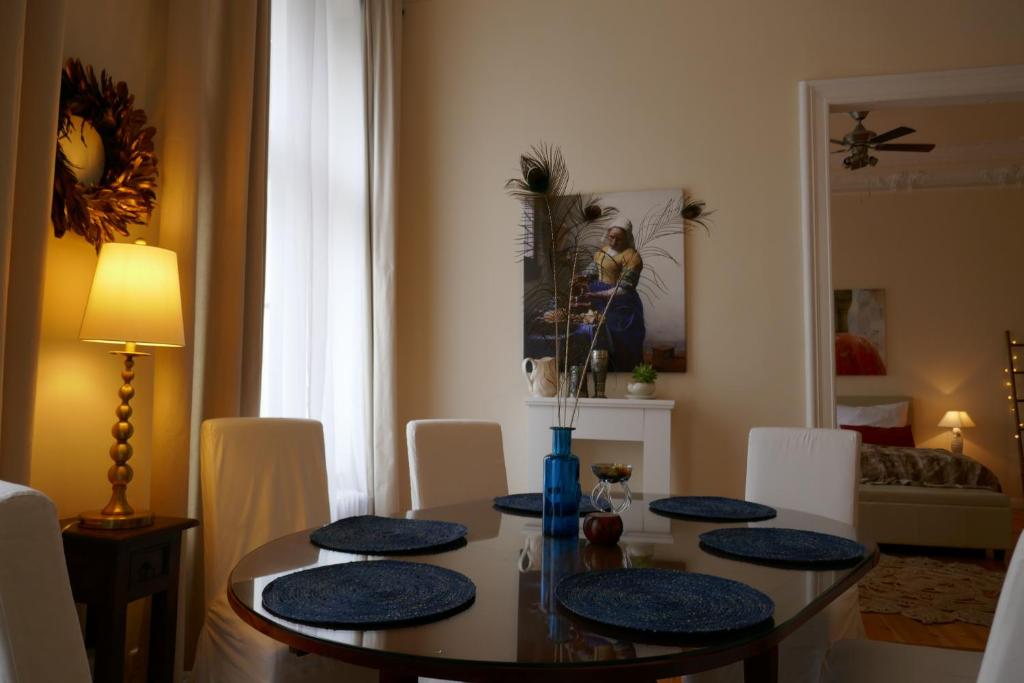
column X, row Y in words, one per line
column 1011, row 383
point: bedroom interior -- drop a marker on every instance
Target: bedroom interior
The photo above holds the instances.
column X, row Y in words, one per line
column 939, row 234
column 404, row 130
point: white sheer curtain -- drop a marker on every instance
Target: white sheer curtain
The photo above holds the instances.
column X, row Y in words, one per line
column 317, row 329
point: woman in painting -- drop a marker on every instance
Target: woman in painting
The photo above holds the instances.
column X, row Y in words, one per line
column 617, row 262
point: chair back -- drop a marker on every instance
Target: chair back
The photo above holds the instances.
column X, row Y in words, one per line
column 812, row 470
column 454, row 461
column 262, row 478
column 40, row 638
column 1004, row 657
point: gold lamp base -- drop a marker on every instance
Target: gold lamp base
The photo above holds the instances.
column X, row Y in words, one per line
column 95, row 519
column 118, row 512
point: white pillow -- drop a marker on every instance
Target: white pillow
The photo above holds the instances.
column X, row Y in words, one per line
column 888, row 415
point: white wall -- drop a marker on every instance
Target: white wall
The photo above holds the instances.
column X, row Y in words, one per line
column 950, row 264
column 639, row 95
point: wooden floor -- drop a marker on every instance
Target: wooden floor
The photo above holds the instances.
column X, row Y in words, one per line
column 900, row 629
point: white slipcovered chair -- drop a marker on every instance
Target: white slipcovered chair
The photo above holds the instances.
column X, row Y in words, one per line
column 40, row 637
column 811, row 470
column 262, row 478
column 1003, row 660
column 454, row 461
column 816, row 471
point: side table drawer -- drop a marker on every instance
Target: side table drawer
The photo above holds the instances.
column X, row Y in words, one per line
column 148, row 565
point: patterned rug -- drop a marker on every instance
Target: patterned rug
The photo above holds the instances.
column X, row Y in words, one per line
column 931, row 591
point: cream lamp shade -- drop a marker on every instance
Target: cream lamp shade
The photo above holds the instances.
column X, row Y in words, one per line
column 135, row 297
column 956, row 418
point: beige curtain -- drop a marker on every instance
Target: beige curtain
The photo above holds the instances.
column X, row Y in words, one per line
column 31, row 36
column 383, row 42
column 214, row 206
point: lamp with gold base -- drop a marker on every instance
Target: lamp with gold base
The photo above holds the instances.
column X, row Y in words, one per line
column 135, row 300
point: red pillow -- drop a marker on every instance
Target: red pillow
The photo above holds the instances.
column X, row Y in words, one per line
column 884, row 436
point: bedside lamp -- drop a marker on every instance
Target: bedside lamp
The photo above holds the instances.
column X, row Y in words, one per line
column 135, row 300
column 957, row 419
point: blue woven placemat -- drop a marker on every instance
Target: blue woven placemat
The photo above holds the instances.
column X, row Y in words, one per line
column 711, row 509
column 532, row 504
column 370, row 535
column 664, row 601
column 369, row 595
column 791, row 547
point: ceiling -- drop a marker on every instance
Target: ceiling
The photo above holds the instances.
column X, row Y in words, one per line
column 975, row 145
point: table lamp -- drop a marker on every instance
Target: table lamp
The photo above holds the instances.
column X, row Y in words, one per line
column 957, row 419
column 135, row 300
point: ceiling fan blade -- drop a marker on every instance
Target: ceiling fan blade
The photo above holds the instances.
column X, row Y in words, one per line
column 905, row 147
column 837, row 142
column 891, row 135
column 840, row 151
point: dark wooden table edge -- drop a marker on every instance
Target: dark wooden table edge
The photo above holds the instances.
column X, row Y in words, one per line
column 760, row 654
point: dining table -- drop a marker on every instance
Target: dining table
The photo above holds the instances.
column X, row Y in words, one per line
column 516, row 630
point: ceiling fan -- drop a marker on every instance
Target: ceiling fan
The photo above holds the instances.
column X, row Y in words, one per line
column 860, row 141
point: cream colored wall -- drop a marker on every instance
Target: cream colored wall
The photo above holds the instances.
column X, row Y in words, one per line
column 78, row 382
column 949, row 261
column 639, row 95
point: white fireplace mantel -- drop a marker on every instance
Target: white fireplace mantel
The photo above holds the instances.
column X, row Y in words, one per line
column 607, row 419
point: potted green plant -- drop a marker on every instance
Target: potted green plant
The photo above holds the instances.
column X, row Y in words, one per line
column 642, row 385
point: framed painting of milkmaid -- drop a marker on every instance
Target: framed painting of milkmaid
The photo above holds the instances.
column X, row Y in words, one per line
column 630, row 270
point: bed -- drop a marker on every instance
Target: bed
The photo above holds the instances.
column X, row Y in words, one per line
column 925, row 496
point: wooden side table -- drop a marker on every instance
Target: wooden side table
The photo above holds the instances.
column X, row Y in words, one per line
column 109, row 569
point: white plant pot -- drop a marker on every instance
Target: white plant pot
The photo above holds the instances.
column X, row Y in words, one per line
column 640, row 389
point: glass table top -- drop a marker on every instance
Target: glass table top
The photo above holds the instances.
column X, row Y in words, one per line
column 516, row 620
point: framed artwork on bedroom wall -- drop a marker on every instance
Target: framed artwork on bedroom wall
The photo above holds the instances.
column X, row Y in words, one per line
column 860, row 331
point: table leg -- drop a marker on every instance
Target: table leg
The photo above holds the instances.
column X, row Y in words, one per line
column 109, row 631
column 392, row 677
column 162, row 630
column 762, row 668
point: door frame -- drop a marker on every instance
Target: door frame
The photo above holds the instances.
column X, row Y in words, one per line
column 817, row 98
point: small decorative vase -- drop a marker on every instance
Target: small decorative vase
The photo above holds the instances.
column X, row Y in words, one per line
column 599, row 367
column 561, row 486
column 640, row 389
column 578, row 382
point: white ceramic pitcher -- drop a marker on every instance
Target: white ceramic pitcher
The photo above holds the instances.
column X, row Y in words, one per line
column 542, row 375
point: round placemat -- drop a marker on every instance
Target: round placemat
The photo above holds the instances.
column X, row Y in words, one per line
column 370, row 535
column 532, row 504
column 664, row 601
column 711, row 509
column 369, row 595
column 785, row 546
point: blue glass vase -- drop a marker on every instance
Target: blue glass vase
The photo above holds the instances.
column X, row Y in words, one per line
column 561, row 486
